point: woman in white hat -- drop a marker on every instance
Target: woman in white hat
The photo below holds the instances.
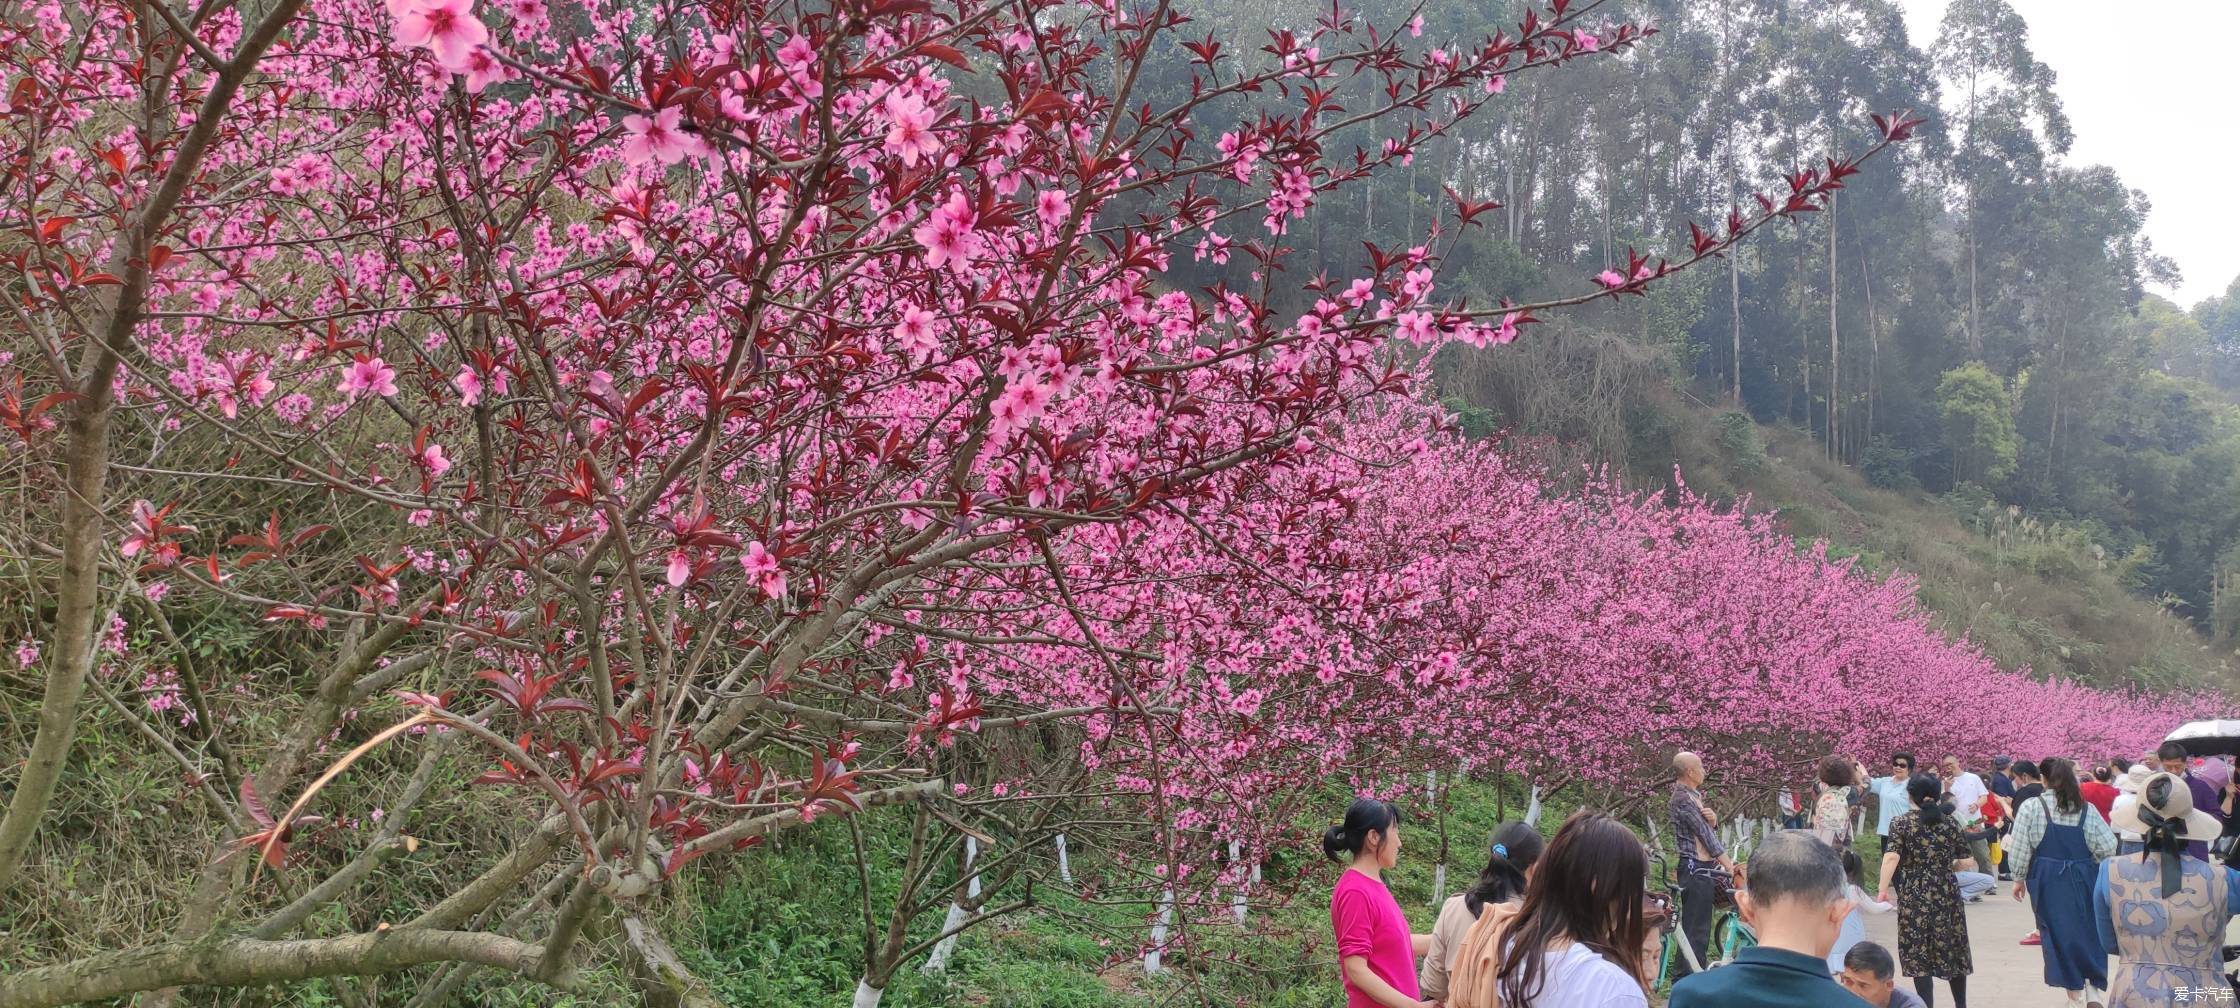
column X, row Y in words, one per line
column 2128, row 784
column 2164, row 911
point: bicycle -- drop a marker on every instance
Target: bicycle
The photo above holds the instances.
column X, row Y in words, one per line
column 1730, row 934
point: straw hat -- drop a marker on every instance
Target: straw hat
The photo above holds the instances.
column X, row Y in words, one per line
column 2134, row 778
column 2168, row 797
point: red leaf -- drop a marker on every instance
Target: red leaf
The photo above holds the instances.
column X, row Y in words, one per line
column 945, row 54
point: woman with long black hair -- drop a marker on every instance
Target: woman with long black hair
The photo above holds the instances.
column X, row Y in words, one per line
column 1925, row 848
column 2055, row 854
column 1578, row 939
column 1376, row 950
column 1509, row 866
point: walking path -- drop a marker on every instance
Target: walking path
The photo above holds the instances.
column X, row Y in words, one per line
column 2008, row 974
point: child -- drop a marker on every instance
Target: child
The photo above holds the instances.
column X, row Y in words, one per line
column 1995, row 819
column 1855, row 923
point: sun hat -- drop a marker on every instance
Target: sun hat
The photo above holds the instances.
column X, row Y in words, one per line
column 2134, row 778
column 2168, row 798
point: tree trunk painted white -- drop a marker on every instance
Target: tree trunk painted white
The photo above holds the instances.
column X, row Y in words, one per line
column 1236, row 903
column 938, row 960
column 1439, row 871
column 1532, row 808
column 868, row 996
column 1065, row 869
column 1152, row 955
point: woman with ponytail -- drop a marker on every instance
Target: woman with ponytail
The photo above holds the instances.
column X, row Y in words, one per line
column 1925, row 848
column 1376, row 951
column 1516, row 849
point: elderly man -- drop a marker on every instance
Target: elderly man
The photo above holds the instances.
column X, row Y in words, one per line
column 1704, row 864
column 1796, row 903
column 1967, row 792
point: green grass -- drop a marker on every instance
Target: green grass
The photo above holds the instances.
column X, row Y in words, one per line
column 786, row 929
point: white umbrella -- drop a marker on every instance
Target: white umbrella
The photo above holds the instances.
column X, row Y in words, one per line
column 2208, row 738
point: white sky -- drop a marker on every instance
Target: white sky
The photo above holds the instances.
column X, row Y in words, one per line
column 2147, row 89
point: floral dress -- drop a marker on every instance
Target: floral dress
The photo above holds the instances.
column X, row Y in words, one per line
column 1831, row 818
column 1932, row 922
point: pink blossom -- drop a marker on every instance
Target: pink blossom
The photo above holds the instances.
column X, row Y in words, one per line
column 469, row 385
column 368, row 374
column 431, row 458
column 659, row 139
column 915, row 333
column 911, row 136
column 448, row 29
column 1415, row 27
column 1585, row 40
column 1051, row 207
column 1417, row 327
column 947, row 235
column 483, row 69
column 530, row 15
column 27, row 652
column 761, row 565
column 1611, row 278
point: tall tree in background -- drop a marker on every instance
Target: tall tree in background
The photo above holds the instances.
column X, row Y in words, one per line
column 2007, row 120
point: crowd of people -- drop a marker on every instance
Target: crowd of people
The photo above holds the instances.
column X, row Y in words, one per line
column 2125, row 861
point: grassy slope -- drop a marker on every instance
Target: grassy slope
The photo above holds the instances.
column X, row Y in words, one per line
column 783, row 930
column 2028, row 594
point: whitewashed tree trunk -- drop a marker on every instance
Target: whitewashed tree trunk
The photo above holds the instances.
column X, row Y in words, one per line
column 938, row 961
column 868, row 996
column 1152, row 955
column 1532, row 808
column 1236, row 903
column 1065, row 869
column 1438, row 872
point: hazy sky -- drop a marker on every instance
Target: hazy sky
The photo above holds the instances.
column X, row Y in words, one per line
column 2147, row 88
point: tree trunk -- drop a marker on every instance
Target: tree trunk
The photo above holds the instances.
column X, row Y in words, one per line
column 76, row 609
column 1975, row 330
column 1734, row 300
column 1874, row 340
column 1835, row 346
column 86, row 459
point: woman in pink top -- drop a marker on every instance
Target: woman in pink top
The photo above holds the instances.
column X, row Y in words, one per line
column 1376, row 951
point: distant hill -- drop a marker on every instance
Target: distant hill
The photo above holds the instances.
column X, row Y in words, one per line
column 2029, row 592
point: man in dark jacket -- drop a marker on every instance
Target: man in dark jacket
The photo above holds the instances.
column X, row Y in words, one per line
column 1796, row 902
